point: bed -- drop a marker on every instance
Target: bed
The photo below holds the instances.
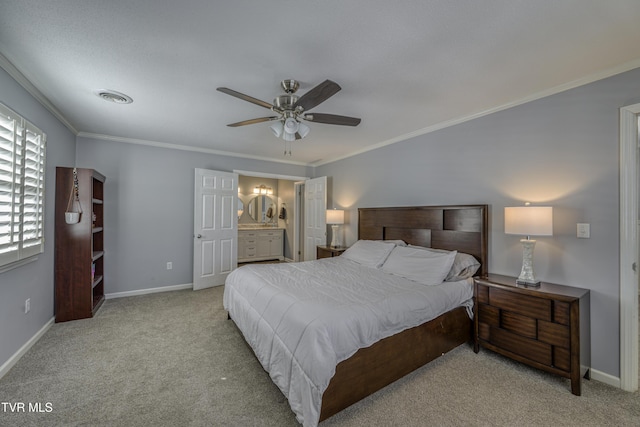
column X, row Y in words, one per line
column 333, row 331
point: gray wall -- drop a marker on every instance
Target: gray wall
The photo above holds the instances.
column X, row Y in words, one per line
column 560, row 151
column 149, row 208
column 34, row 280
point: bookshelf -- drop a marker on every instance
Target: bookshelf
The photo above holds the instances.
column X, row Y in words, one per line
column 79, row 247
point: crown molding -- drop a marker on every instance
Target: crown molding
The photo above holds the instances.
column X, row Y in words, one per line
column 17, row 75
column 538, row 95
column 182, row 148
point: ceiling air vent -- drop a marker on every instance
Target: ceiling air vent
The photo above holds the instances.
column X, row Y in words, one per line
column 113, row 96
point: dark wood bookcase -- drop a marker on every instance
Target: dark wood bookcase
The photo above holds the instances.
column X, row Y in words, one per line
column 79, row 248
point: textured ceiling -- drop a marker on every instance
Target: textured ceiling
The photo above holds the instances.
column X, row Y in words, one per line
column 405, row 67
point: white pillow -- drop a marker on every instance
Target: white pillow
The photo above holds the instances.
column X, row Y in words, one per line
column 396, row 242
column 426, row 267
column 464, row 265
column 369, row 253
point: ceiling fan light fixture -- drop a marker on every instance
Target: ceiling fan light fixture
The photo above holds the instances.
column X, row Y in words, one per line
column 303, row 130
column 277, row 129
column 289, row 136
column 291, row 126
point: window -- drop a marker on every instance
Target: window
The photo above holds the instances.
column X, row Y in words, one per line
column 22, row 170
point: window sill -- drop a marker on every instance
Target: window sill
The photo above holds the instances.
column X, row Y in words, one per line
column 16, row 264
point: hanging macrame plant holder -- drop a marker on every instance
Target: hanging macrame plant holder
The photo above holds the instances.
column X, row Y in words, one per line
column 74, row 210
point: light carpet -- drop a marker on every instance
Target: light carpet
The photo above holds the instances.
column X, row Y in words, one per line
column 173, row 359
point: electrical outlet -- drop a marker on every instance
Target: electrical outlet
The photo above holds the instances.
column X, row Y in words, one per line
column 169, row 266
column 27, row 305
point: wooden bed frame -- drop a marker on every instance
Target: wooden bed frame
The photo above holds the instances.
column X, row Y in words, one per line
column 462, row 228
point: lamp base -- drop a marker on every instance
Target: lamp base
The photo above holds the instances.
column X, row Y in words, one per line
column 526, row 275
column 529, row 284
column 335, row 239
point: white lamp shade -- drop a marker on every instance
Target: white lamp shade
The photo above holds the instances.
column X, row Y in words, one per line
column 288, row 136
column 277, row 128
column 335, row 216
column 291, row 126
column 303, row 130
column 529, row 220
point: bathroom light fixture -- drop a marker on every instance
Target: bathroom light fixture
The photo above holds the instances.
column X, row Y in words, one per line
column 262, row 189
column 528, row 221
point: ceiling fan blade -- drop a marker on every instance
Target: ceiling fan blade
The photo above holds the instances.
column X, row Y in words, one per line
column 318, row 95
column 245, row 97
column 253, row 121
column 332, row 119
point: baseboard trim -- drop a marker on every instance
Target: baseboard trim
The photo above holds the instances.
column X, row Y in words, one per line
column 605, row 378
column 148, row 291
column 23, row 350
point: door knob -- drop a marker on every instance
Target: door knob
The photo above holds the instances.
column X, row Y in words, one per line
column 199, row 236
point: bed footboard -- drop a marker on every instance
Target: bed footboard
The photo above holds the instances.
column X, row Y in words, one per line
column 388, row 360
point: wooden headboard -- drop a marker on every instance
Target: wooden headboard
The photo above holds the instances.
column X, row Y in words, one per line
column 462, row 228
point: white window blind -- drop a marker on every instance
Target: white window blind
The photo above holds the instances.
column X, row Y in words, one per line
column 22, row 171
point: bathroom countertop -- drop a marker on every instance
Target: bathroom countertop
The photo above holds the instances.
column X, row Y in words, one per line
column 259, row 227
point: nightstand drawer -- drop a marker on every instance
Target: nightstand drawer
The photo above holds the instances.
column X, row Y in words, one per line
column 493, row 316
column 554, row 334
column 482, row 294
column 562, row 359
column 522, row 325
column 525, row 347
column 489, row 315
column 525, row 305
column 561, row 312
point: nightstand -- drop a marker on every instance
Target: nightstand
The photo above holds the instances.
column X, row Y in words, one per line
column 546, row 327
column 329, row 251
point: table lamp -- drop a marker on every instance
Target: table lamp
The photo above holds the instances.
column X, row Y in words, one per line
column 528, row 221
column 335, row 217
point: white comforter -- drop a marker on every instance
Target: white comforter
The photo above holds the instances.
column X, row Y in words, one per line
column 302, row 319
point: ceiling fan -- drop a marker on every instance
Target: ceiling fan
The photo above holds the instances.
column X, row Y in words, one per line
column 291, row 109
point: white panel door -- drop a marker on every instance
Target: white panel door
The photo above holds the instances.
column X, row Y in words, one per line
column 315, row 220
column 215, row 236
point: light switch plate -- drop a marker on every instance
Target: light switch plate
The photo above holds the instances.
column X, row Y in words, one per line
column 584, row 231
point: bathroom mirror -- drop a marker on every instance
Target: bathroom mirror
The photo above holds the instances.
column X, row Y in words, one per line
column 262, row 209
